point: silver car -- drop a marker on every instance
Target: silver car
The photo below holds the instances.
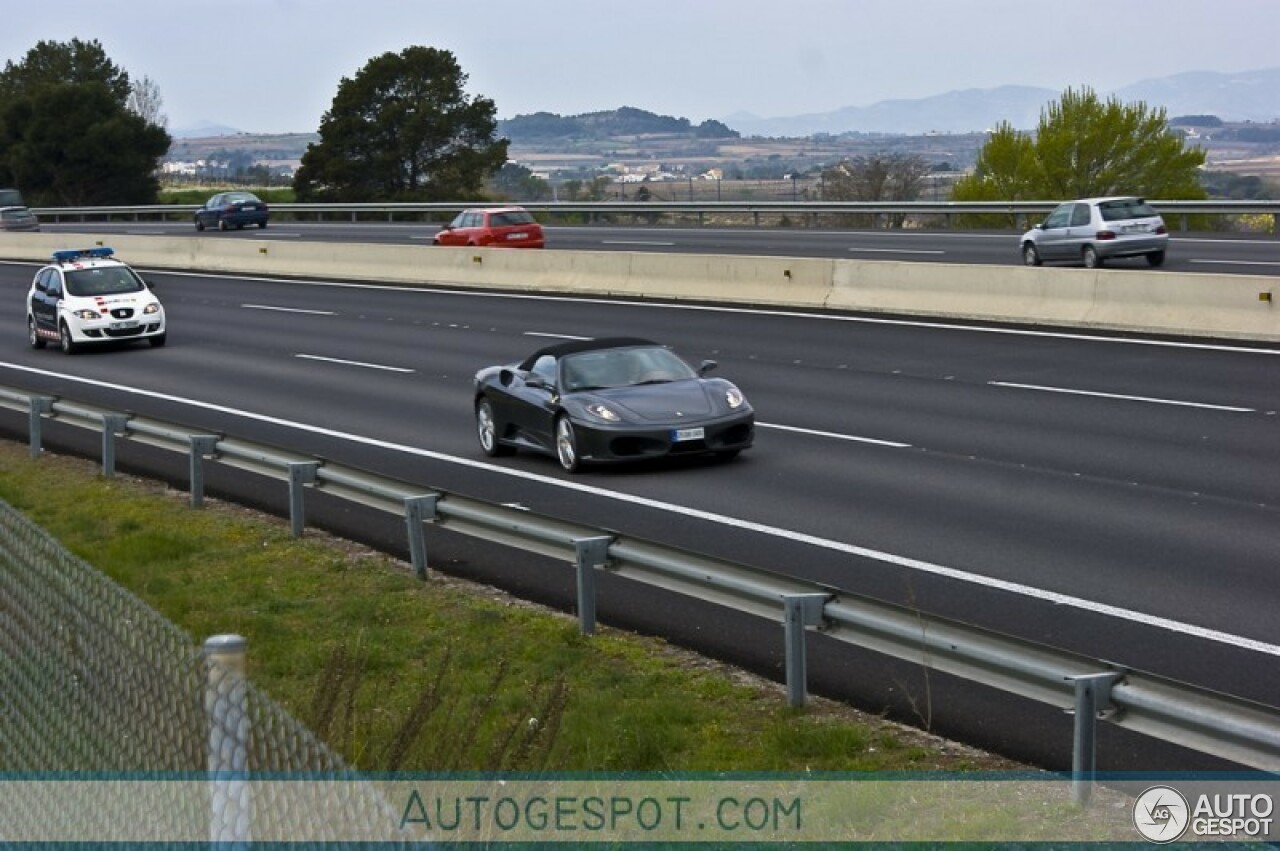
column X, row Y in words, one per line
column 1094, row 230
column 14, row 214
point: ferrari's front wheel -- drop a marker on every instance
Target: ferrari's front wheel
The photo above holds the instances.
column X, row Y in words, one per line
column 567, row 446
column 487, row 430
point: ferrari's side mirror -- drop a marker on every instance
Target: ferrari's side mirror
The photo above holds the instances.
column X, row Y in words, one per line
column 707, row 366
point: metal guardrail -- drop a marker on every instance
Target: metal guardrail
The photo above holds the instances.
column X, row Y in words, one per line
column 595, row 210
column 1225, row 726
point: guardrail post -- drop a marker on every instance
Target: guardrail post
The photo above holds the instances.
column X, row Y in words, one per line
column 227, row 708
column 592, row 553
column 417, row 510
column 799, row 611
column 202, row 446
column 112, row 425
column 38, row 408
column 1093, row 696
column 301, row 473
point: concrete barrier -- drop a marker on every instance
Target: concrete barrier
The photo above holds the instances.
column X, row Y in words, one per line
column 1155, row 301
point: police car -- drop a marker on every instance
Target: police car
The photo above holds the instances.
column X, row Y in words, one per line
column 86, row 296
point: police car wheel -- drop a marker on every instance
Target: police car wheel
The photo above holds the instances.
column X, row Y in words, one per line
column 64, row 338
column 36, row 341
column 157, row 342
column 199, row 225
column 222, row 224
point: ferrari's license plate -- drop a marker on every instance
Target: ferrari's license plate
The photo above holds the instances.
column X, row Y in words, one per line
column 679, row 434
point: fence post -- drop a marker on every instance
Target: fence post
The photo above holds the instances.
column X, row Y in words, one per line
column 301, row 473
column 38, row 407
column 592, row 553
column 112, row 425
column 202, row 446
column 417, row 510
column 799, row 611
column 1093, row 695
column 227, row 707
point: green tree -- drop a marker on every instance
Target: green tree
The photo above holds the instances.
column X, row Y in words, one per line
column 73, row 145
column 518, row 183
column 1085, row 147
column 52, row 63
column 403, row 130
column 67, row 133
column 1007, row 168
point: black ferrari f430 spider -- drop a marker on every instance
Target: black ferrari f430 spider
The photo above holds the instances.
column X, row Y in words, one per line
column 609, row 400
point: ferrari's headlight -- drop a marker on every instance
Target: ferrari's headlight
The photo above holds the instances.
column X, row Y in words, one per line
column 85, row 314
column 604, row 412
column 154, row 307
column 734, row 397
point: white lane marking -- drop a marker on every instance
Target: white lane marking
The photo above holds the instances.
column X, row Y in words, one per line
column 1122, row 397
column 834, row 435
column 556, row 336
column 896, row 251
column 1238, row 641
column 1237, row 262
column 354, row 363
column 636, row 242
column 288, row 309
column 749, row 311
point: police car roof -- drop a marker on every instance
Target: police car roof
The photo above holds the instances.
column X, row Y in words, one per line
column 71, row 255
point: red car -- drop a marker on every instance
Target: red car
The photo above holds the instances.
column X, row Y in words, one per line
column 496, row 227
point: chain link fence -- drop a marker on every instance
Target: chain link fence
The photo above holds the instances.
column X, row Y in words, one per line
column 95, row 685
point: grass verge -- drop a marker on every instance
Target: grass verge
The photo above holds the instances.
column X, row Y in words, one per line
column 397, row 674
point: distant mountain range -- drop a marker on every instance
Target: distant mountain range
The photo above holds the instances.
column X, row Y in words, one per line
column 1243, row 96
column 203, row 130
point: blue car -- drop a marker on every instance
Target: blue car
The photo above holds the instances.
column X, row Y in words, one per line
column 228, row 210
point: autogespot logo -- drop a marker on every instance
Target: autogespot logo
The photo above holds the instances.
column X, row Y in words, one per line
column 1161, row 814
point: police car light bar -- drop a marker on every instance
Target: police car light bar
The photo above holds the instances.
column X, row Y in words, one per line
column 77, row 253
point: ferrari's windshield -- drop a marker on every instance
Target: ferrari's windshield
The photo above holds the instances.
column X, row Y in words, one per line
column 597, row 370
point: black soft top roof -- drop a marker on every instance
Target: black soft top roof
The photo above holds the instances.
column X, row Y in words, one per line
column 569, row 347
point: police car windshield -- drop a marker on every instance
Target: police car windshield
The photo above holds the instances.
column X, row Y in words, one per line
column 107, row 280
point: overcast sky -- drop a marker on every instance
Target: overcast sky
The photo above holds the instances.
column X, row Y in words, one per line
column 265, row 66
